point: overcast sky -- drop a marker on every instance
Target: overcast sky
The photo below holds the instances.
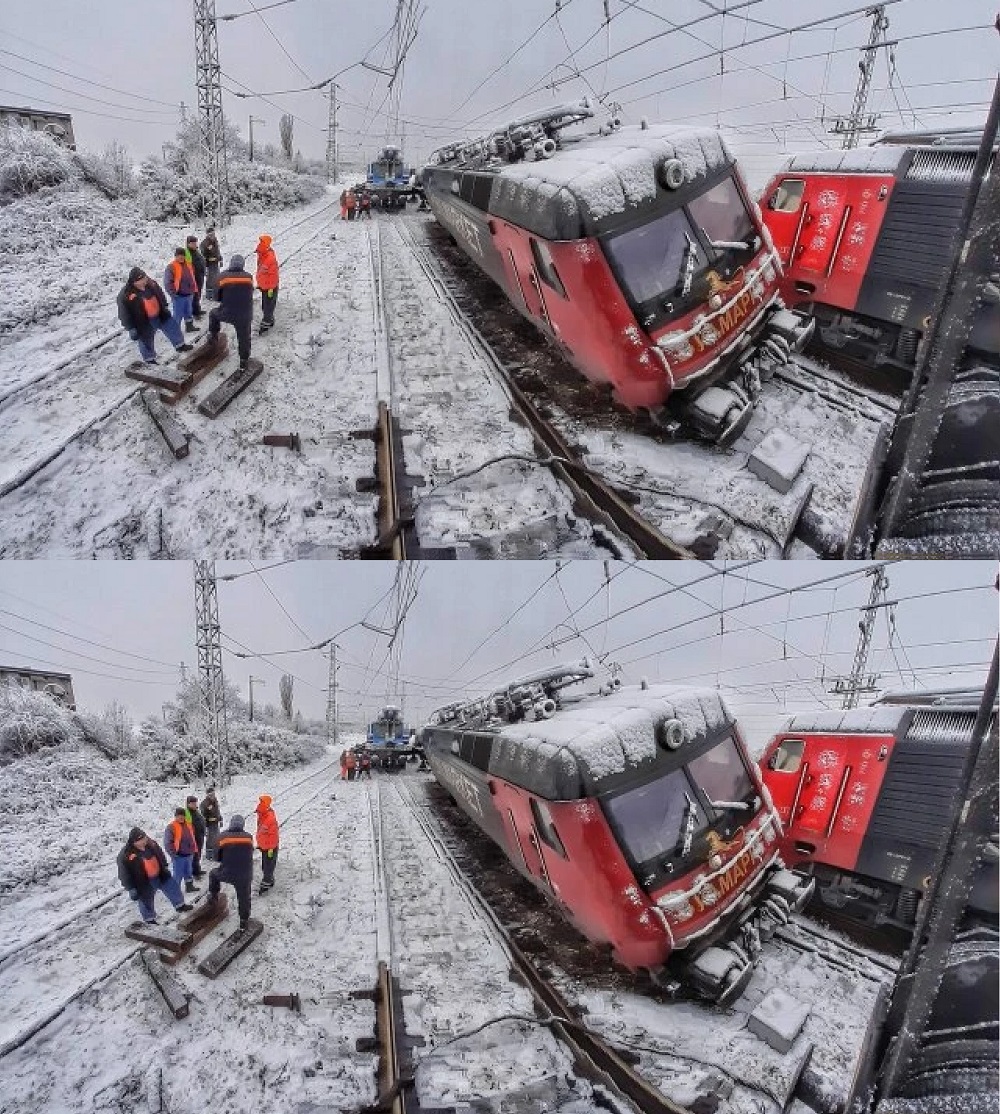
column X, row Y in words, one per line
column 147, row 609
column 148, row 52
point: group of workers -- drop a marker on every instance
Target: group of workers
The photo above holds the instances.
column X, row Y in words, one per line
column 196, row 831
column 355, row 203
column 355, row 764
column 192, row 274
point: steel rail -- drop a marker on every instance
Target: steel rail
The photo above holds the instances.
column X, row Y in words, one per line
column 596, row 498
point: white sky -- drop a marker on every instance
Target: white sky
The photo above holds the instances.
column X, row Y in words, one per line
column 143, row 52
column 147, row 608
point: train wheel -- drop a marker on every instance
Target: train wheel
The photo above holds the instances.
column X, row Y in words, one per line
column 733, row 985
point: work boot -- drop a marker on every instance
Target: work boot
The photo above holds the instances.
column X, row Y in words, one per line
column 212, row 900
column 190, row 887
column 185, row 347
column 244, row 364
column 190, row 327
column 153, row 922
column 153, row 361
column 244, row 925
column 212, row 341
column 185, row 908
column 198, row 313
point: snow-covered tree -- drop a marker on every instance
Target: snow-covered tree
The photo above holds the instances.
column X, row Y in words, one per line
column 30, row 160
column 30, row 721
column 285, row 691
column 285, row 126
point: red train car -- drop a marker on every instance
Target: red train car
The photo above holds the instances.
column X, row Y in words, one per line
column 636, row 250
column 636, row 811
column 864, row 796
column 865, row 236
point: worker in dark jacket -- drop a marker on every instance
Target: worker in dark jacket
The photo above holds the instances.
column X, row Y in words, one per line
column 235, row 867
column 142, row 309
column 235, row 306
column 197, row 261
column 200, row 827
column 143, row 869
column 212, row 812
column 213, row 261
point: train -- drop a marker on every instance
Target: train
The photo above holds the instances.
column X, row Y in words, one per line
column 390, row 741
column 865, row 237
column 864, row 797
column 637, row 250
column 388, row 180
column 636, row 810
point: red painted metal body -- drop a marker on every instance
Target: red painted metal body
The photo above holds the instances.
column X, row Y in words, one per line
column 826, row 241
column 596, row 889
column 826, row 802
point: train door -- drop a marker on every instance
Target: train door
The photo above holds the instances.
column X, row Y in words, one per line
column 519, row 823
column 523, row 281
column 787, row 771
column 787, row 212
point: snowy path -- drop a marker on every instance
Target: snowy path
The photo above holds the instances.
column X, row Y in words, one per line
column 454, row 414
column 117, row 492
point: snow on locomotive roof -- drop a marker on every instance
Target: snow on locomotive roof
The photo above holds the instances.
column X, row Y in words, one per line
column 596, row 737
column 595, row 176
column 882, row 720
column 858, row 160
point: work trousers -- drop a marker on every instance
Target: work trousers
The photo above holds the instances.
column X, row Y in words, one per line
column 268, row 861
column 242, row 328
column 211, row 841
column 196, row 865
column 268, row 300
column 183, row 867
column 146, row 341
column 212, row 281
column 183, row 307
column 169, row 886
column 241, row 886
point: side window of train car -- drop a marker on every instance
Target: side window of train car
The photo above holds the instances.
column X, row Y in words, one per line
column 788, row 196
column 546, row 268
column 546, row 829
column 788, row 757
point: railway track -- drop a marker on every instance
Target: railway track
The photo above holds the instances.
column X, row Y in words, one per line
column 578, row 972
column 69, row 382
column 614, row 490
column 49, row 948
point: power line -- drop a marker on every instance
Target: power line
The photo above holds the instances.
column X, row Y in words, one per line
column 42, row 102
column 90, row 642
column 87, row 96
column 256, row 11
column 77, row 653
column 108, row 676
column 278, row 602
column 87, row 81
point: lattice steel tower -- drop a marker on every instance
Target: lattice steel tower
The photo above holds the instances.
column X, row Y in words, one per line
column 858, row 122
column 211, row 684
column 858, row 683
column 211, row 123
column 331, row 137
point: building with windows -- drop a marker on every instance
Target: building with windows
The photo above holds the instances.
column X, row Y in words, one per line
column 57, row 124
column 57, row 685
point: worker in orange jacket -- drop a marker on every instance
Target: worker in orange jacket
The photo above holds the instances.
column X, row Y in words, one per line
column 267, row 842
column 267, row 281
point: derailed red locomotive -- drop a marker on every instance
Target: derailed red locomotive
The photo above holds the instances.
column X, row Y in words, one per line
column 635, row 810
column 864, row 797
column 637, row 250
column 865, row 236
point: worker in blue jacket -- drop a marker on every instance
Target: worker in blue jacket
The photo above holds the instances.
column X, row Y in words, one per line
column 235, row 293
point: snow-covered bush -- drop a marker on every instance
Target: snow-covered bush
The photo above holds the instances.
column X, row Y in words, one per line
column 31, row 160
column 30, row 721
column 111, row 171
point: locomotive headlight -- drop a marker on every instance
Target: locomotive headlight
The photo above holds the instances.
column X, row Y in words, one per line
column 715, row 301
column 676, row 906
column 715, row 861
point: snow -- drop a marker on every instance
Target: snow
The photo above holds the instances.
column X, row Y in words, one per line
column 860, row 160
column 597, row 737
column 858, row 721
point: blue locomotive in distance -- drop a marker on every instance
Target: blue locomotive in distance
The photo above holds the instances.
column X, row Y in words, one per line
column 390, row 741
column 389, row 180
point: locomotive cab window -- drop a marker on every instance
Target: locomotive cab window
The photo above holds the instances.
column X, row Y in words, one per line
column 722, row 218
column 788, row 196
column 546, row 268
column 722, row 776
column 545, row 828
column 788, row 757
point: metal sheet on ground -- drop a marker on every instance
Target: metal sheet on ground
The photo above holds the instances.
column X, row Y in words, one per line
column 230, row 388
column 216, row 962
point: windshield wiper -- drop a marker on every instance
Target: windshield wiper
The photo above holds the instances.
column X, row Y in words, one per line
column 690, row 818
column 727, row 245
column 687, row 266
column 741, row 806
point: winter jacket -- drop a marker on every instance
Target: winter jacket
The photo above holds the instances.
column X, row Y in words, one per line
column 210, row 249
column 210, row 810
column 137, row 870
column 198, row 824
column 235, row 856
column 132, row 303
column 179, row 838
column 267, row 826
column 179, row 278
column 235, row 290
column 198, row 263
column 267, row 265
